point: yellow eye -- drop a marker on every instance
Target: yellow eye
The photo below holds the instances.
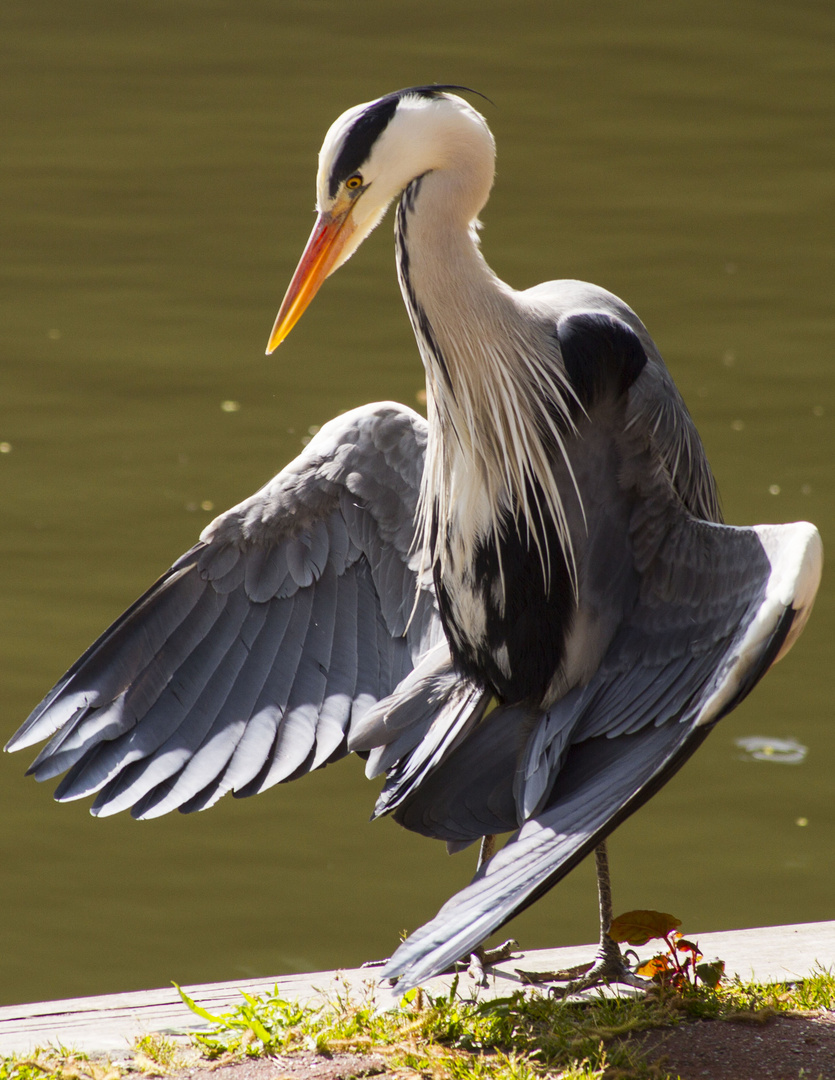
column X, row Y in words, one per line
column 353, row 182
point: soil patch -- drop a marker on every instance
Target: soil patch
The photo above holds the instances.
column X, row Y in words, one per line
column 782, row 1048
column 303, row 1065
column 721, row 1050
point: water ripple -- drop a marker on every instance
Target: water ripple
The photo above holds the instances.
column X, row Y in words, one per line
column 762, row 748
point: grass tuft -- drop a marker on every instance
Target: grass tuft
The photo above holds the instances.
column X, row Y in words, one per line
column 526, row 1036
column 57, row 1064
column 155, row 1055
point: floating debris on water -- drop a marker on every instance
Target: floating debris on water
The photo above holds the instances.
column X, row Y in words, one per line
column 781, row 751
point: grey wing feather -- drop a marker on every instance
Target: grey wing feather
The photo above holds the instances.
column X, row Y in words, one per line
column 654, row 698
column 545, row 849
column 656, row 405
column 247, row 663
column 444, row 807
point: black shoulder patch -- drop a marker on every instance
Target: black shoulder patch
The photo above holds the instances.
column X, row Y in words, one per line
column 602, row 355
column 370, row 125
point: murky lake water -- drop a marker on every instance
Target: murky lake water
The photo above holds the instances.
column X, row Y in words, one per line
column 157, row 183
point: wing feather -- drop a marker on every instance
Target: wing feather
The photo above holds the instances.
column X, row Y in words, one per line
column 247, row 663
column 648, row 707
column 156, row 749
column 153, row 675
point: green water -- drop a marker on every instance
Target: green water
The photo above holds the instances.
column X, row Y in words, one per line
column 156, row 190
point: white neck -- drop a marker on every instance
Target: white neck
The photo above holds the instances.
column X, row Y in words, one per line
column 490, row 374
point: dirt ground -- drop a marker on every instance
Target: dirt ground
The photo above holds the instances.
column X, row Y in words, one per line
column 784, row 1048
column 776, row 1050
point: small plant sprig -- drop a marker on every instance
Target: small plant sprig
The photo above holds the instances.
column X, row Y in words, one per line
column 680, row 967
column 257, row 1026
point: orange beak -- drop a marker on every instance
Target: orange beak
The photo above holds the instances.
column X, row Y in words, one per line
column 330, row 234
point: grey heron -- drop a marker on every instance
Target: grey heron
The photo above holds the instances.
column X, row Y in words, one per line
column 525, row 610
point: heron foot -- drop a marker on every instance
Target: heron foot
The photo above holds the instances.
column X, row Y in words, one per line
column 482, row 958
column 374, row 963
column 610, row 966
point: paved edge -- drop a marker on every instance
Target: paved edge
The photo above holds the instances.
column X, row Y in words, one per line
column 111, row 1023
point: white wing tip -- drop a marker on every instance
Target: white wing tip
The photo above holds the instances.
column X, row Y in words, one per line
column 795, row 552
column 796, row 555
column 50, row 719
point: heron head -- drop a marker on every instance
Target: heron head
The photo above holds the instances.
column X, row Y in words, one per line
column 370, row 154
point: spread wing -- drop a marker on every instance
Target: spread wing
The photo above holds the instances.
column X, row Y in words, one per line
column 718, row 606
column 248, row 661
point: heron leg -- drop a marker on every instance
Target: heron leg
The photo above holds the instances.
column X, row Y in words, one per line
column 482, row 958
column 609, row 966
column 485, row 852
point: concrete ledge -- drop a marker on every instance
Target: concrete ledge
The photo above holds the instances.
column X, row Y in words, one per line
column 112, row 1022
